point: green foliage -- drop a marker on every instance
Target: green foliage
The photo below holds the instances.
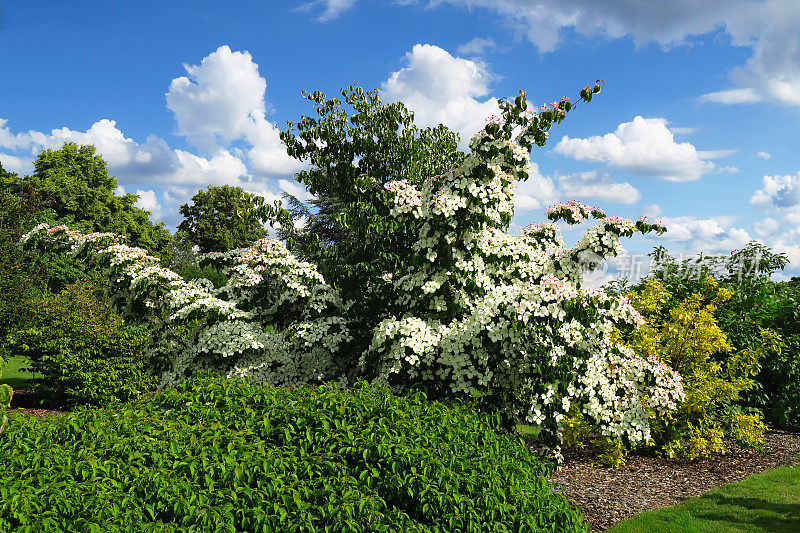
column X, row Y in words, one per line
column 80, row 348
column 223, row 218
column 757, row 303
column 81, row 192
column 233, row 455
column 184, row 260
column 687, row 338
column 348, row 231
column 16, row 275
column 684, row 333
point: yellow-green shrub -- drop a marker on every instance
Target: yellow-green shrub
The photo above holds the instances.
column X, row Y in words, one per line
column 686, row 336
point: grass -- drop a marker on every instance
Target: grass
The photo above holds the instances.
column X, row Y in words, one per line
column 768, row 502
column 527, row 432
column 13, row 373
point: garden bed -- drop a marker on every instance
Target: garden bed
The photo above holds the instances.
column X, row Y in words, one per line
column 27, row 402
column 608, row 495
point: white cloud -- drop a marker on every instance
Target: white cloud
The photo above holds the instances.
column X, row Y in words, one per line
column 763, row 155
column 295, row 189
column 715, row 154
column 746, row 95
column 645, row 147
column 536, row 192
column 682, row 130
column 13, row 164
column 477, row 46
column 331, row 9
column 149, row 202
column 596, row 184
column 781, row 192
column 766, row 227
column 768, row 27
column 540, row 191
column 707, row 235
column 728, row 168
column 222, row 101
column 650, row 210
column 442, row 89
column 177, row 173
column 223, row 168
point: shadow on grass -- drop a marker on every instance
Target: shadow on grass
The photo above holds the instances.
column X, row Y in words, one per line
column 17, row 383
column 773, row 517
column 16, row 374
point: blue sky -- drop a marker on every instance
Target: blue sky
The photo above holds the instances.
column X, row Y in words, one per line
column 698, row 123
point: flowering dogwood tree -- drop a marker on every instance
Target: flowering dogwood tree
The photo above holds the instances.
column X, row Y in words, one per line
column 275, row 319
column 482, row 314
column 506, row 318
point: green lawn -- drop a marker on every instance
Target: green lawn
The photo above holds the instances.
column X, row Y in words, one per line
column 13, row 375
column 766, row 502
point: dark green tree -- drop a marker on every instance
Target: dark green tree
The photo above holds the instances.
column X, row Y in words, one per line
column 76, row 184
column 223, row 218
column 347, row 230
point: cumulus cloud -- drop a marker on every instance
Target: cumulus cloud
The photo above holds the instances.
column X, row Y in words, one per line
column 766, row 227
column 597, row 184
column 539, row 191
column 149, row 202
column 780, row 197
column 331, row 9
column 707, row 235
column 763, row 155
column 218, row 106
column 650, row 210
column 645, row 147
column 442, row 89
column 781, row 192
column 222, row 100
column 13, row 164
column 536, row 192
column 768, row 27
column 477, row 46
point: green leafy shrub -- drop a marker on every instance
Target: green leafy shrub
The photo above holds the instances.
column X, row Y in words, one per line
column 80, row 347
column 685, row 335
column 233, row 455
column 757, row 303
column 688, row 338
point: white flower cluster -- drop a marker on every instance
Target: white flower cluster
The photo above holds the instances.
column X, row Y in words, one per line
column 545, row 234
column 195, row 327
column 407, row 198
column 485, row 311
column 573, row 211
column 482, row 313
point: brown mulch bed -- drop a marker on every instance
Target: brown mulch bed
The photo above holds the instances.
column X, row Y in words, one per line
column 26, row 402
column 608, row 495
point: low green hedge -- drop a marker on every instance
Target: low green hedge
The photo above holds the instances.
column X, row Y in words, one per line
column 231, row 455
